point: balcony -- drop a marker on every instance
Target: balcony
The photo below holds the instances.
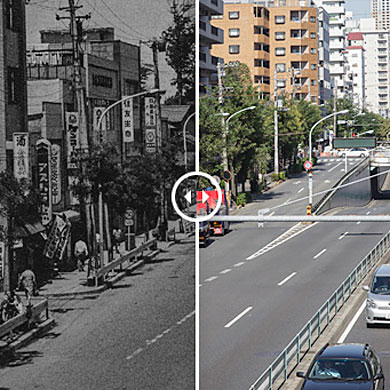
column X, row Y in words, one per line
column 215, row 7
column 207, row 62
column 336, row 32
column 209, row 33
column 336, row 57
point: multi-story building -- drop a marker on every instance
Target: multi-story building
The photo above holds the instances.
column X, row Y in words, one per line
column 323, row 56
column 13, row 91
column 336, row 11
column 380, row 11
column 277, row 40
column 355, row 68
column 208, row 35
column 377, row 70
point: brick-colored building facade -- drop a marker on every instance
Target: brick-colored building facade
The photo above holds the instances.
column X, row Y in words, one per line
column 279, row 44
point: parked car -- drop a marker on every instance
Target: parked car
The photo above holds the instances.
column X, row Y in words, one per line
column 204, row 233
column 378, row 299
column 355, row 152
column 344, row 366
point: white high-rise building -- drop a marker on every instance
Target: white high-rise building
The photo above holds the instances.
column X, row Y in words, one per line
column 336, row 11
column 380, row 11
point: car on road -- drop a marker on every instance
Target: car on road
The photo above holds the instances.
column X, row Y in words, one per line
column 378, row 299
column 344, row 366
column 204, row 233
column 354, row 152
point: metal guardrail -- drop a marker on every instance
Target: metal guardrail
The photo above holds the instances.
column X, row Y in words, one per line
column 101, row 272
column 36, row 310
column 276, row 374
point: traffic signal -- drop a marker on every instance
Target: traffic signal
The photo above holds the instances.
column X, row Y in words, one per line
column 353, row 134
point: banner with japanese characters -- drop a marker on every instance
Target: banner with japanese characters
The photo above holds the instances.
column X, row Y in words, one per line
column 21, row 155
column 100, row 131
column 128, row 120
column 72, row 139
column 150, row 112
column 44, row 179
column 56, row 186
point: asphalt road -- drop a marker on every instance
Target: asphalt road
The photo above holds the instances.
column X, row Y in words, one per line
column 252, row 303
column 139, row 335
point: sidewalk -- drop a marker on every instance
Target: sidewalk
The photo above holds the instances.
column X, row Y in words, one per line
column 75, row 282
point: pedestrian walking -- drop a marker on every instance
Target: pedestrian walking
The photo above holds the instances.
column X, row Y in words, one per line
column 81, row 254
column 27, row 282
column 11, row 306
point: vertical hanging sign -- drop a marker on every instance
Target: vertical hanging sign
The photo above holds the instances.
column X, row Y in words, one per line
column 21, row 155
column 44, row 179
column 128, row 120
column 100, row 134
column 150, row 124
column 55, row 160
column 72, row 138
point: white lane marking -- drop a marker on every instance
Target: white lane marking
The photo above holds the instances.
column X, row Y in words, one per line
column 343, row 235
column 342, row 170
column 358, row 223
column 352, row 323
column 329, row 164
column 234, row 320
column 273, row 212
column 319, row 254
column 327, row 181
column 291, row 233
column 239, row 264
column 225, row 271
column 211, row 278
column 159, row 336
column 297, row 182
column 287, row 279
column 300, row 190
column 331, row 169
column 288, row 200
column 368, row 212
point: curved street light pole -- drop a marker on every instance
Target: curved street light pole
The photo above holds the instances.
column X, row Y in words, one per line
column 99, row 124
column 310, row 150
column 185, row 138
column 224, row 137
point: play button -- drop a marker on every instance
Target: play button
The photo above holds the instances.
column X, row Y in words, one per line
column 188, row 197
column 204, row 197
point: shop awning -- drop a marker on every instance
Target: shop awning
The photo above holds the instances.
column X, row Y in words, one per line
column 28, row 229
column 70, row 215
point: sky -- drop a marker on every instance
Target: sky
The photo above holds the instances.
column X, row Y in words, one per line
column 134, row 20
column 360, row 8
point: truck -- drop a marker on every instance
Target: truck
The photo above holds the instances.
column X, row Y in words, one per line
column 216, row 228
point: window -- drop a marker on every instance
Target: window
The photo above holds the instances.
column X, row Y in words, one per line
column 298, row 49
column 313, row 83
column 312, row 19
column 261, row 63
column 234, row 32
column 313, row 35
column 234, row 15
column 313, row 50
column 280, row 36
column 280, row 68
column 262, row 80
column 313, row 66
column 234, row 49
column 261, row 30
column 297, row 33
column 13, row 12
column 281, row 83
column 280, row 51
column 280, row 19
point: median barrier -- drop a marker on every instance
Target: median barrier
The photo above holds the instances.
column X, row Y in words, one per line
column 29, row 316
column 287, row 361
column 101, row 273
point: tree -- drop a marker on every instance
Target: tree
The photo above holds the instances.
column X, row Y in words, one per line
column 180, row 49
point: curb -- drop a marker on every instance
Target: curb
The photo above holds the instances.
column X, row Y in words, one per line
column 94, row 290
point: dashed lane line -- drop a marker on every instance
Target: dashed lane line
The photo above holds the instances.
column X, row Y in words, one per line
column 343, row 235
column 234, row 320
column 331, row 169
column 239, row 264
column 210, row 279
column 160, row 336
column 225, row 271
column 300, row 190
column 285, row 280
column 319, row 254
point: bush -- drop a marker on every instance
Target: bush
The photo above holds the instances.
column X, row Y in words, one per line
column 275, row 177
column 241, row 199
column 282, row 176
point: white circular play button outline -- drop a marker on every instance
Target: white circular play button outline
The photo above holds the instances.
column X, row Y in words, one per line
column 213, row 182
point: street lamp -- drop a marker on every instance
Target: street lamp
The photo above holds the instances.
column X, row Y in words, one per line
column 99, row 124
column 310, row 147
column 185, row 139
column 224, row 137
column 366, row 132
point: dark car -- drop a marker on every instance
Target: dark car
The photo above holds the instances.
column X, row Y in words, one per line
column 344, row 366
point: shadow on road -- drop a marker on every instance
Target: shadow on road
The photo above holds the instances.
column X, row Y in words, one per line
column 9, row 358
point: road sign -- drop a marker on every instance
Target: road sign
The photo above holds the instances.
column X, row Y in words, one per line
column 129, row 217
column 308, row 165
column 227, row 175
column 341, row 122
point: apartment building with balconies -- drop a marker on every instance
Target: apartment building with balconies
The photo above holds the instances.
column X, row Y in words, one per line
column 208, row 35
column 277, row 40
column 380, row 11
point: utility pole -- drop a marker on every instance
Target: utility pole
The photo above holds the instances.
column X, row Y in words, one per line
column 276, row 134
column 75, row 25
column 334, row 108
column 293, row 83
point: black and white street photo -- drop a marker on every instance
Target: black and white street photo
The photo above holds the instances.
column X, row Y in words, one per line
column 97, row 124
